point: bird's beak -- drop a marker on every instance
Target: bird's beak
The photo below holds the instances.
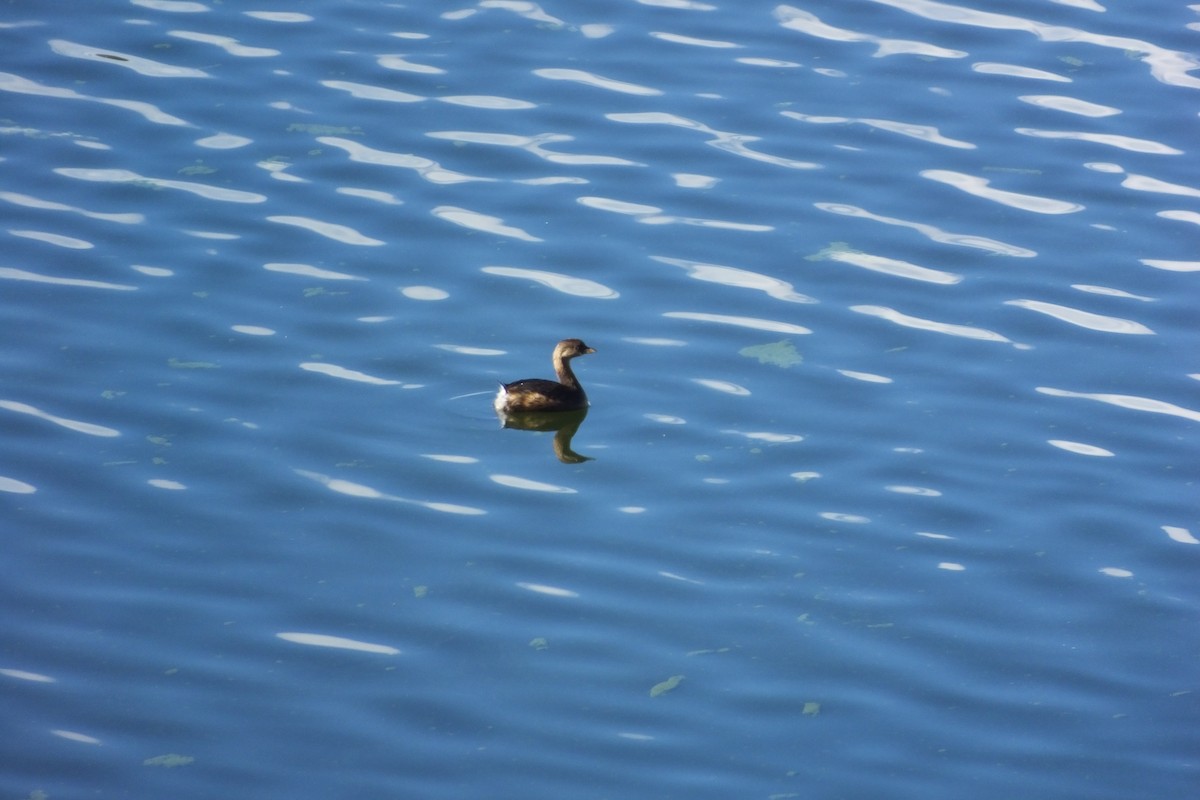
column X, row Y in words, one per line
column 590, row 350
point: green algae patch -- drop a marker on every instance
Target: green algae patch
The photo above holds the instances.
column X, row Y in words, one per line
column 666, row 686
column 781, row 354
column 826, row 253
column 324, row 130
column 197, row 169
column 168, row 760
column 175, row 363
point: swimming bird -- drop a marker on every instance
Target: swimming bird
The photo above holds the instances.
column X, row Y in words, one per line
column 538, row 394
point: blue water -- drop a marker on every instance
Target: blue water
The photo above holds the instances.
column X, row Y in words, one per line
column 889, row 483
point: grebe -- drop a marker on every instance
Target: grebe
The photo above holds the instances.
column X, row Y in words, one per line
column 537, row 394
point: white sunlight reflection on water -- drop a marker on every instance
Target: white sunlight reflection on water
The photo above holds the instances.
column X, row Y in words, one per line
column 477, row 221
column 128, row 176
column 1084, row 319
column 330, row 230
column 1131, row 402
column 334, row 371
column 737, row 277
column 1079, row 448
column 567, row 284
column 949, row 329
column 91, row 429
column 14, row 486
column 515, row 482
column 12, row 274
column 309, row 271
column 741, row 322
column 981, row 187
column 337, row 642
column 352, row 489
column 552, row 591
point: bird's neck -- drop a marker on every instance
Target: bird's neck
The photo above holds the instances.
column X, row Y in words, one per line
column 562, row 368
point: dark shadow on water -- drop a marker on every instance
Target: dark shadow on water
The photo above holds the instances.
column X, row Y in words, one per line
column 564, row 423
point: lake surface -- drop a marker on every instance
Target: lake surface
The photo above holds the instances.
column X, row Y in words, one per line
column 889, row 483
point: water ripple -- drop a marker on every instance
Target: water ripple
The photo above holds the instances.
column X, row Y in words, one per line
column 334, row 371
column 330, row 230
column 1017, row 71
column 142, row 66
column 888, row 266
column 428, row 169
column 1071, row 105
column 226, row 43
column 309, row 271
column 488, row 102
column 950, row 329
column 1170, row 265
column 651, row 215
column 865, row 377
column 14, row 486
column 352, row 489
column 1145, row 183
column 1110, row 292
column 223, row 141
column 1181, row 535
column 1079, row 448
column 173, row 6
column 542, row 588
column 517, row 482
column 365, row 91
column 740, row 278
column 676, row 38
column 932, row 232
column 127, row 176
column 522, row 8
column 337, row 642
column 13, row 274
column 403, row 65
column 754, row 323
column 56, row 239
column 1180, row 215
column 18, row 85
column 534, row 145
column 924, row 133
column 1130, row 143
column 276, row 16
column 1132, row 402
column 980, row 187
column 734, row 143
column 806, row 22
column 478, row 221
column 89, row 428
column 597, row 81
column 567, row 284
column 1169, row 66
column 51, row 205
column 24, row 675
column 1084, row 319
column 725, row 387
column 424, row 293
column 769, row 437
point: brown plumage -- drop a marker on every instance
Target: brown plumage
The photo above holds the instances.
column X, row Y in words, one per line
column 538, row 394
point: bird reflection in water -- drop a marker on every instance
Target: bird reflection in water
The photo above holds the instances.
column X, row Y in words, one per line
column 563, row 423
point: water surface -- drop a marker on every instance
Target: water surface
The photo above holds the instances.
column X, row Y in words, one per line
column 890, row 477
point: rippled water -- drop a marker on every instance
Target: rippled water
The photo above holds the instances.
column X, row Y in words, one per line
column 889, row 485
